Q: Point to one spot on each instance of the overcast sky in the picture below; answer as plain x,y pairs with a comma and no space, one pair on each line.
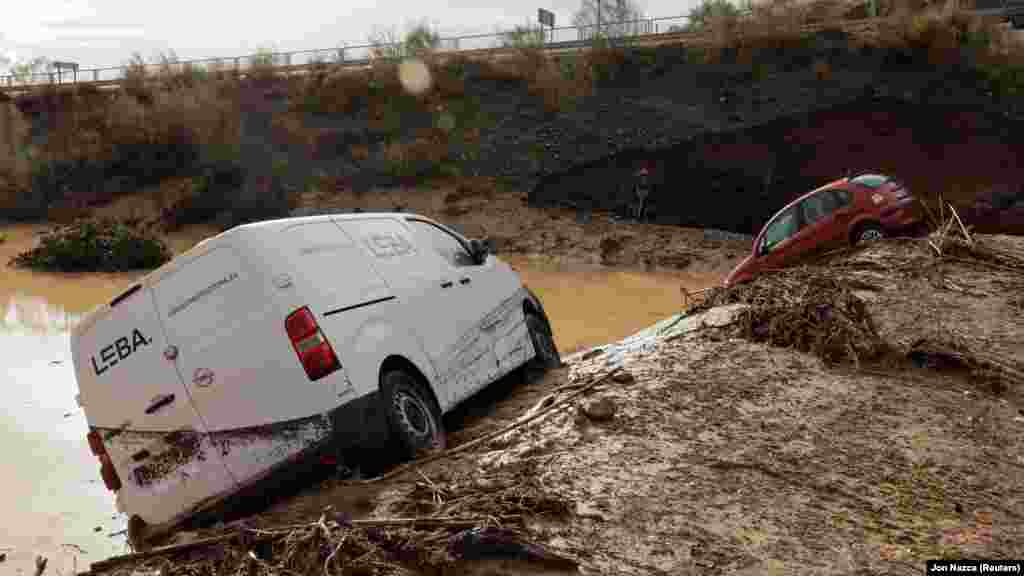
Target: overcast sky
107,32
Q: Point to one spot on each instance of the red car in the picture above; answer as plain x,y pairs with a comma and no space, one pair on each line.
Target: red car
847,211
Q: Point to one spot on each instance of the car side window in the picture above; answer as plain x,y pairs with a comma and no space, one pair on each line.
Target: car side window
817,207
784,226
443,243
842,197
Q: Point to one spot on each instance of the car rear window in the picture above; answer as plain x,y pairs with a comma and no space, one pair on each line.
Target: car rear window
870,180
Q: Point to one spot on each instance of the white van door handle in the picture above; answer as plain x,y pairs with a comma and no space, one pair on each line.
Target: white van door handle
465,281
159,402
446,284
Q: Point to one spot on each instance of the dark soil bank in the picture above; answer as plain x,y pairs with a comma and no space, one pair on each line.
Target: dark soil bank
736,180
729,140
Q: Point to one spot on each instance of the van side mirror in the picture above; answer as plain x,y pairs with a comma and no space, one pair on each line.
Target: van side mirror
480,248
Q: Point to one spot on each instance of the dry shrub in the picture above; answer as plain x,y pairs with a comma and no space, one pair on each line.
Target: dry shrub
471,187
189,115
330,90
289,128
774,25
415,156
604,61
822,70
559,83
449,80
135,81
508,68
14,162
359,152
822,11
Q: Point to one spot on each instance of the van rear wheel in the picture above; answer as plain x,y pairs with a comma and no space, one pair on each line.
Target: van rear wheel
413,415
137,534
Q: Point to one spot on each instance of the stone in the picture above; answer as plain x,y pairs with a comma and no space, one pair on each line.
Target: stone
624,378
598,410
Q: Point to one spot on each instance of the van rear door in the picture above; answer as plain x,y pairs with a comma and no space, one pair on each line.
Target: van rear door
132,396
236,361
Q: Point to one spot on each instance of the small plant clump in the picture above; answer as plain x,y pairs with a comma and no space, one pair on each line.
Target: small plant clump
95,246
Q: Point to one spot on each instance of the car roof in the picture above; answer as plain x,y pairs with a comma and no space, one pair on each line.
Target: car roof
792,203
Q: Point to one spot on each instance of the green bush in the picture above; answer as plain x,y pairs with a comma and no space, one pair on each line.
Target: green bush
95,246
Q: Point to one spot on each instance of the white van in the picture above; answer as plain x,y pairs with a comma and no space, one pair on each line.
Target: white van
273,340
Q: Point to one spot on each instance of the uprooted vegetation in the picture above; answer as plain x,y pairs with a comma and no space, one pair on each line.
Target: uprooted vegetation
95,246
714,447
865,306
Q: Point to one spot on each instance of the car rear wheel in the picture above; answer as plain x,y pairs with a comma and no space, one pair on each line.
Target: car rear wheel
868,233
547,356
413,415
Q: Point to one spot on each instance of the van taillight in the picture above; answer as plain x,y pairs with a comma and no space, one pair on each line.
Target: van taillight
314,351
107,471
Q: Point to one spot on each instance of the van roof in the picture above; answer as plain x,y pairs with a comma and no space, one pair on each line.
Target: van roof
203,246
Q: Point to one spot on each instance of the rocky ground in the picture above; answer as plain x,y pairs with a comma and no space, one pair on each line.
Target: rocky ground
859,415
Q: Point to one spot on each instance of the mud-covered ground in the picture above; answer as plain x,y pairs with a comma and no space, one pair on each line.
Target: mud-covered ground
559,234
712,450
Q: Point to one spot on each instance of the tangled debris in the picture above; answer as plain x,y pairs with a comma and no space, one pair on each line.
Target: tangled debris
807,309
886,302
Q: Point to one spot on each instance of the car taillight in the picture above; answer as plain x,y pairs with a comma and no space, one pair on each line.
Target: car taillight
107,471
314,351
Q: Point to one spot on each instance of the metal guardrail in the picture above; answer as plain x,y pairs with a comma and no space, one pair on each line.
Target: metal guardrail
354,55
638,32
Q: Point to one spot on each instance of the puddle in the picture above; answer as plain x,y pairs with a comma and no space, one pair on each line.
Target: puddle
56,500
591,305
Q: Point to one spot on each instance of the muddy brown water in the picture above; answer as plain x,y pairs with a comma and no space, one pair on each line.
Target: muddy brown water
54,503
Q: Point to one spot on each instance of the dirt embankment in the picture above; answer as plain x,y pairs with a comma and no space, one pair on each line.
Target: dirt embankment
576,124
736,180
719,446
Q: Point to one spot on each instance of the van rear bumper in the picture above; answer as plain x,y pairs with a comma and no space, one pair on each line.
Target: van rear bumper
359,430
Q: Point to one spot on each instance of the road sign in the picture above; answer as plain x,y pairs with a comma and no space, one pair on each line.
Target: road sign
546,18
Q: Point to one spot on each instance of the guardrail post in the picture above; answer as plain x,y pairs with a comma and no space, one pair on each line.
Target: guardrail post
95,75
288,59
341,54
238,63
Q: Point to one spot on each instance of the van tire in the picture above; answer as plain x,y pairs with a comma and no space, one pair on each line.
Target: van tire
137,534
414,417
543,341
